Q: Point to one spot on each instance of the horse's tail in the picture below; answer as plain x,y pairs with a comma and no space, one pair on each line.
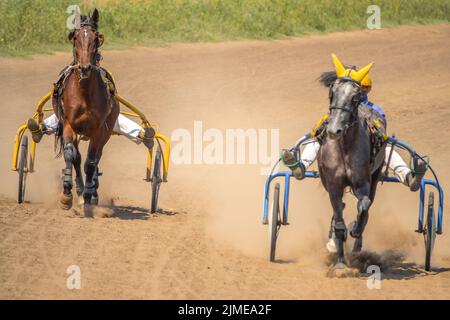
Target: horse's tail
59,140
58,108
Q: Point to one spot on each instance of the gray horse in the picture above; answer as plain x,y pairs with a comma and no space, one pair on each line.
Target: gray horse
345,158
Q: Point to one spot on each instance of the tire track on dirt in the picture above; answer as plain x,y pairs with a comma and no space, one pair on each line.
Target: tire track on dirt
166,260
22,225
24,273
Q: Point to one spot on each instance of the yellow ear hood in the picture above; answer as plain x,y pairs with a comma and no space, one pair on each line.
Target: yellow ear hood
360,74
355,75
338,66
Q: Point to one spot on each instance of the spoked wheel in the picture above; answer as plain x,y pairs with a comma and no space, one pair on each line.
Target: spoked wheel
156,179
274,222
430,231
23,169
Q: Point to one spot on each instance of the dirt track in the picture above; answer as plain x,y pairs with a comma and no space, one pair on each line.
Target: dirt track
210,242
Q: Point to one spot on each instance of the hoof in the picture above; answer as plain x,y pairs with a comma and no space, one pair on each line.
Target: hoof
94,201
88,210
65,201
340,270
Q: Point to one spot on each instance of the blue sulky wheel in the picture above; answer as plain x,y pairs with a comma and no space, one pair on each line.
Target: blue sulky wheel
274,222
156,179
22,169
429,231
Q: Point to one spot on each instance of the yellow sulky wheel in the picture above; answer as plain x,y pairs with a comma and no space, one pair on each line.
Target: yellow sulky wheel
22,169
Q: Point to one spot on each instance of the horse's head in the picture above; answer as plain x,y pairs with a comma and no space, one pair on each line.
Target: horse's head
345,96
86,41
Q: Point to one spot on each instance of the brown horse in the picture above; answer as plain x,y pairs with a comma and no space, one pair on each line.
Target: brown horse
88,111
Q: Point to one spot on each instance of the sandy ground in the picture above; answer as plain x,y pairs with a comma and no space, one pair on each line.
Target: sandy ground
209,242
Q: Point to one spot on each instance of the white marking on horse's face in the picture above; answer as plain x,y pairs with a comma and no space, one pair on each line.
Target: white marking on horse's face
344,93
85,41
348,88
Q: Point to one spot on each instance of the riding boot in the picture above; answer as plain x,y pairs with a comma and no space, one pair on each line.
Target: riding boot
147,136
414,178
298,168
37,131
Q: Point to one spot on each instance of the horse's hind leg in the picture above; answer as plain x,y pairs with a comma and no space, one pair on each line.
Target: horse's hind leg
340,230
95,152
79,176
364,201
92,173
94,199
373,190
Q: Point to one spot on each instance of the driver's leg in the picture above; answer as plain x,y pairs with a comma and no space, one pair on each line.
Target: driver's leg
134,132
403,173
309,154
48,126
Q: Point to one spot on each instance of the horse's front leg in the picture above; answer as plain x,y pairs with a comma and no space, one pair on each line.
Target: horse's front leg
79,177
91,168
339,228
95,151
331,244
363,194
70,151
94,199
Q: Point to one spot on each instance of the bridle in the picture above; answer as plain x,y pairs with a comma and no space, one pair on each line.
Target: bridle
354,103
77,64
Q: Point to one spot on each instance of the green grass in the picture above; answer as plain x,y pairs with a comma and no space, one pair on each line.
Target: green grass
39,26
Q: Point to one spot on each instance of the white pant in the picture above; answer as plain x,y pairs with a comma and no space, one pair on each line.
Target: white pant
123,126
397,165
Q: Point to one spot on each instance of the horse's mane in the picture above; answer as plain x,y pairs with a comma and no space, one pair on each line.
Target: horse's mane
329,77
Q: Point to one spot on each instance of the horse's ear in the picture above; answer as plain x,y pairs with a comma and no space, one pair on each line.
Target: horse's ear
338,66
95,16
71,37
101,39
